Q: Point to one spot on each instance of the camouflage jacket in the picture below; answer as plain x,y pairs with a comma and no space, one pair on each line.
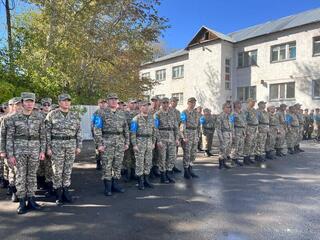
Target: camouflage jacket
208,124
252,117
224,124
166,125
25,133
142,128
274,121
239,120
190,121
58,125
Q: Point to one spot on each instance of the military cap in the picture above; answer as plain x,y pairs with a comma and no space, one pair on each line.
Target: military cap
297,105
112,96
261,102
101,100
54,106
174,99
46,100
270,106
121,102
283,105
250,100
132,100
306,109
10,101
64,96
28,96
14,100
192,99
206,110
144,103
155,98
317,109
227,104
165,99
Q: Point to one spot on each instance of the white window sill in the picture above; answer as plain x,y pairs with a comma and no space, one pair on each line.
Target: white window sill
282,100
285,60
177,78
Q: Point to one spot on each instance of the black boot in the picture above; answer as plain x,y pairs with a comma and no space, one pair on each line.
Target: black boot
225,165
246,160
50,190
176,170
251,160
22,209
170,176
237,162
116,187
295,149
98,166
262,158
126,177
107,187
193,175
163,178
1,182
268,155
5,183
283,154
40,182
66,195
141,183
290,151
9,190
257,158
299,149
133,174
278,152
32,204
220,163
147,182
14,197
59,193
186,173
156,171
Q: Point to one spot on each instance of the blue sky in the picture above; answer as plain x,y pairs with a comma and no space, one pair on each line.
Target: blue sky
187,16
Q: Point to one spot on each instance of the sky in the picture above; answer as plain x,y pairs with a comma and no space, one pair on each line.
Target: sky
187,16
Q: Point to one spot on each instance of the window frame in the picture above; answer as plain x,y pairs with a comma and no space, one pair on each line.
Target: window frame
279,85
161,71
248,89
247,55
178,95
313,87
287,52
143,75
227,83
178,67
315,39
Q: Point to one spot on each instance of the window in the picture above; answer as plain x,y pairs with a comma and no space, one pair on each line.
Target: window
227,76
283,52
178,71
161,75
316,46
179,96
206,36
243,93
145,75
282,91
247,59
316,88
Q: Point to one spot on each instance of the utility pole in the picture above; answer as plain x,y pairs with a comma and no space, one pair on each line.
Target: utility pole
10,43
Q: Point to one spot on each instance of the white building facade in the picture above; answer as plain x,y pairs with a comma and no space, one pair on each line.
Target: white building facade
277,62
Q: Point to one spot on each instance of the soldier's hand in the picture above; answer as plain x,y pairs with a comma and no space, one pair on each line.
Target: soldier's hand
126,147
49,152
12,161
42,156
78,151
2,154
101,149
135,148
177,142
186,140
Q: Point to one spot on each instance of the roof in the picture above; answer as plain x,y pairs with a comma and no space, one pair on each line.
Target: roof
281,24
175,54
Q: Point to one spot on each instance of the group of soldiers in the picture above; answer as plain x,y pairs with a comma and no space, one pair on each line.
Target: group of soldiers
38,148
136,140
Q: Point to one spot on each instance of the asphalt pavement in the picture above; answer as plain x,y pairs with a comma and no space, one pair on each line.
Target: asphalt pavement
279,199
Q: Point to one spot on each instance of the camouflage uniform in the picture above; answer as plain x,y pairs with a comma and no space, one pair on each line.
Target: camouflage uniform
263,130
224,127
317,120
239,135
3,172
301,127
251,132
63,138
25,140
155,152
274,130
208,127
143,135
189,128
293,130
168,132
112,132
281,137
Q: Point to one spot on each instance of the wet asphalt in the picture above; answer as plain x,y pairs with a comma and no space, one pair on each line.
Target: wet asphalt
279,199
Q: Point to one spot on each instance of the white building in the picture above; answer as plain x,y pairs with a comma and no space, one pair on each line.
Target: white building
277,61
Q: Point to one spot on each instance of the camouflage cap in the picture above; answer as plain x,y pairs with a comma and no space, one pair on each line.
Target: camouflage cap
283,105
64,96
112,96
165,99
174,99
261,102
297,105
28,96
206,110
155,98
10,101
46,100
250,100
317,109
306,109
132,100
101,100
192,99
17,100
144,103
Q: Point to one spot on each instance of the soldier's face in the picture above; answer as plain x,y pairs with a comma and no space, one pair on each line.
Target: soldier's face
207,113
46,107
144,109
28,105
132,106
18,107
191,104
165,105
174,104
154,103
113,102
227,109
65,104
102,105
252,103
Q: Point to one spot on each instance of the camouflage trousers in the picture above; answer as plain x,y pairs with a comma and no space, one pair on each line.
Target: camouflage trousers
62,159
45,169
112,157
129,158
300,135
1,168
292,136
238,143
9,173
26,175
190,148
155,157
143,157
271,139
249,141
207,140
167,155
260,147
281,137
225,145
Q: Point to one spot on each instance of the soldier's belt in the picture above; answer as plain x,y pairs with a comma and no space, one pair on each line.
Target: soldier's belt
28,138
295,126
239,126
191,128
253,125
263,123
166,129
226,130
111,133
208,128
62,137
144,135
272,125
